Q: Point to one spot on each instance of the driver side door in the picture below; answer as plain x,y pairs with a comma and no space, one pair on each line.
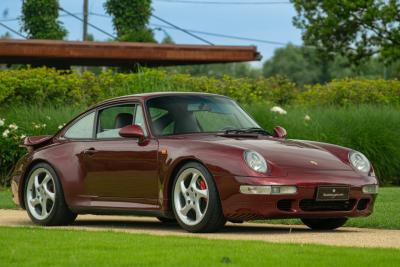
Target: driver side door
120,171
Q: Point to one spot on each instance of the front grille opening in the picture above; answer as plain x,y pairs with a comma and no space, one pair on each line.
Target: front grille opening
313,205
285,204
363,204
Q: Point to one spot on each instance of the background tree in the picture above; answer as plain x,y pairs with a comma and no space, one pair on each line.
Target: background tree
357,29
130,19
303,65
40,20
299,64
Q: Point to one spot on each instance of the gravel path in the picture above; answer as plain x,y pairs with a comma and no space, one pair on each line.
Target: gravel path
355,237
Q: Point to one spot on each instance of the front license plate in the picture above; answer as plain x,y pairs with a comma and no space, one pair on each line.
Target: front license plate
325,193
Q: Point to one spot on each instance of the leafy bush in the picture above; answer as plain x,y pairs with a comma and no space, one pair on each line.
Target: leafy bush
44,86
49,86
20,121
349,92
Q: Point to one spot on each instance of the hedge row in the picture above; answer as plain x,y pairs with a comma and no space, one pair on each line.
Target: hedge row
43,86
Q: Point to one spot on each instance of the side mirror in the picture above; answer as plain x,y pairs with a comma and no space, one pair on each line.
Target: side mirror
280,132
132,131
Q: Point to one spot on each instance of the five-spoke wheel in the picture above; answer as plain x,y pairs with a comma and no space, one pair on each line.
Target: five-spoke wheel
44,197
196,201
40,193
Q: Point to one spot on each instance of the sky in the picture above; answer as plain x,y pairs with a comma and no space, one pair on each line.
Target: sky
271,22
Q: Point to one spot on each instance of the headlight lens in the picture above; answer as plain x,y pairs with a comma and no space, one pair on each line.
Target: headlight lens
359,161
255,161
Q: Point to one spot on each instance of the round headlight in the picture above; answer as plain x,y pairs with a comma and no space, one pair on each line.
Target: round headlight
359,161
255,161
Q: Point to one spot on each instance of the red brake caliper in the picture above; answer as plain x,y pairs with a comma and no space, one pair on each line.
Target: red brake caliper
203,185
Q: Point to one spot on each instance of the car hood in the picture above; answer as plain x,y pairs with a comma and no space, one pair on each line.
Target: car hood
289,153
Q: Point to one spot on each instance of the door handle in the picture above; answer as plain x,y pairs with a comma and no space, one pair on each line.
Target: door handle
89,151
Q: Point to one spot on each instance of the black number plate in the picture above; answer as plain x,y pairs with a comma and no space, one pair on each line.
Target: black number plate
326,193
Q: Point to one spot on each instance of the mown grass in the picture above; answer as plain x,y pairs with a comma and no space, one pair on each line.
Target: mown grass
42,247
6,199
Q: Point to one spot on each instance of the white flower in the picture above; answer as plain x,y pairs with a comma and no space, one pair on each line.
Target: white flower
44,125
307,118
48,117
2,122
278,110
22,136
6,133
36,126
13,126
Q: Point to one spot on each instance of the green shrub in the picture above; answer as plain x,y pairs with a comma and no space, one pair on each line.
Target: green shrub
49,86
19,121
44,86
349,92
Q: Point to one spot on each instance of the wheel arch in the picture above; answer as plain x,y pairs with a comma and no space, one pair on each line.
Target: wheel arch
24,177
171,177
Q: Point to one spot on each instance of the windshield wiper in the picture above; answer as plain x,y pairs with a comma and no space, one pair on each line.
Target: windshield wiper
257,130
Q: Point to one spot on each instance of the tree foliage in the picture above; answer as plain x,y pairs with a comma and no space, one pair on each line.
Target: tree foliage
130,19
357,29
40,20
303,65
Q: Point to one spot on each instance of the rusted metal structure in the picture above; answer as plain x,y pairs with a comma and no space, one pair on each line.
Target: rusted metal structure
69,53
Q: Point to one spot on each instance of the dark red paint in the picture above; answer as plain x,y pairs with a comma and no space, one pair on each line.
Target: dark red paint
127,176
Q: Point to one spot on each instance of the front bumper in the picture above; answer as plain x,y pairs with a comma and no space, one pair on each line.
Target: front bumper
302,204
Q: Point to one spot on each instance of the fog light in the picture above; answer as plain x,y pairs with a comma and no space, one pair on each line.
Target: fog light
370,189
268,190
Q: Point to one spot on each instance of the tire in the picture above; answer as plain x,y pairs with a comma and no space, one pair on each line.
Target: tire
324,224
46,192
166,220
195,200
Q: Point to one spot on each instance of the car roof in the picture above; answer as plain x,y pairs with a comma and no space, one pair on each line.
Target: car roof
145,96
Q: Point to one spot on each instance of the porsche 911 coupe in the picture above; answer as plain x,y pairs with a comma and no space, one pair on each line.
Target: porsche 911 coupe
194,158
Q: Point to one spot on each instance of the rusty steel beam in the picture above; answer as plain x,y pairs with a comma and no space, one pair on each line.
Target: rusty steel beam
68,53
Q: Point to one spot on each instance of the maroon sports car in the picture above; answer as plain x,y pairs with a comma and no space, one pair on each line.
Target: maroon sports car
195,158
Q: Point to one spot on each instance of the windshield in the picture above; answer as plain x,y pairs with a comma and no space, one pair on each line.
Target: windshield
181,114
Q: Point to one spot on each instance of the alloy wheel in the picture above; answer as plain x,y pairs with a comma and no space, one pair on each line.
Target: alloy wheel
41,193
191,196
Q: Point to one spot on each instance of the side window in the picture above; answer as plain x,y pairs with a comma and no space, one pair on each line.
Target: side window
112,119
82,129
139,118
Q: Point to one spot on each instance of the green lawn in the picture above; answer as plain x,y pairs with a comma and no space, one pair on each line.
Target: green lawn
6,199
43,247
